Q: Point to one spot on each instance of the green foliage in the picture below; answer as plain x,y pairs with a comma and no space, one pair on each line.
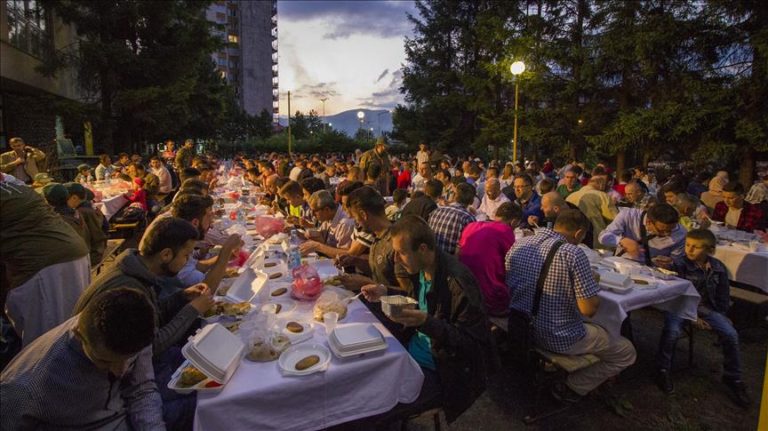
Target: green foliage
682,79
148,65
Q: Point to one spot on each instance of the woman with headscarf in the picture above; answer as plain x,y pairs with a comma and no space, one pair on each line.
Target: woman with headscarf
714,195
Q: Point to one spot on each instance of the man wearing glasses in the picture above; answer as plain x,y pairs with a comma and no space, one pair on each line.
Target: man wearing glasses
651,237
335,234
523,195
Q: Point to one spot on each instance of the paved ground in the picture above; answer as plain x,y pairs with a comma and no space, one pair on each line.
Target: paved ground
701,402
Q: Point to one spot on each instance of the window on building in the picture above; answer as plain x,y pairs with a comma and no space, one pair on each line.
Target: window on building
233,38
28,27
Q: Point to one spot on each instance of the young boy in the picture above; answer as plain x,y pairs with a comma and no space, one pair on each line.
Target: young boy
710,278
399,199
297,212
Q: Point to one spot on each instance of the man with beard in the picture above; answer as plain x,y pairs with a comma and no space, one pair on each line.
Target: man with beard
198,210
163,252
366,206
552,204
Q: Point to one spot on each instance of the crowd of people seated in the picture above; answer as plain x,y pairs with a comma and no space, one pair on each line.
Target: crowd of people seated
466,239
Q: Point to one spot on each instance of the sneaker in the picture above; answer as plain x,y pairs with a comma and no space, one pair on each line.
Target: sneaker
664,381
738,392
564,394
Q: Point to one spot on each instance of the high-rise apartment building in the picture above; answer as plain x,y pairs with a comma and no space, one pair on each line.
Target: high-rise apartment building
249,59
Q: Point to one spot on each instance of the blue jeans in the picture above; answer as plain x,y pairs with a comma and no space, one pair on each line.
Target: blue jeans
720,324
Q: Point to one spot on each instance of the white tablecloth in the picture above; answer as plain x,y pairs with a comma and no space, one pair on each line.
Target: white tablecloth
259,398
745,266
677,296
110,206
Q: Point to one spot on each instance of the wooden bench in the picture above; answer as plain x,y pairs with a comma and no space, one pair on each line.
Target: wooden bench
114,247
748,296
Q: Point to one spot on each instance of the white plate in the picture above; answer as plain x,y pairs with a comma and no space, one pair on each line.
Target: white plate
296,338
294,354
280,285
288,305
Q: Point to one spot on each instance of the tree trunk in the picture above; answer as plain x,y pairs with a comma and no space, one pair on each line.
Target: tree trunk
747,168
621,157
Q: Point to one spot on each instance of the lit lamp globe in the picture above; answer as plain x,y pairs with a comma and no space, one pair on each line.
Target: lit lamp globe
517,68
360,115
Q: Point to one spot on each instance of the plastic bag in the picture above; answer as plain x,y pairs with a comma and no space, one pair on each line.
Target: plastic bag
268,226
306,284
327,302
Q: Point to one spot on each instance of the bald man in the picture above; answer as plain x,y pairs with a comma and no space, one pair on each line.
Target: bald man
552,204
493,197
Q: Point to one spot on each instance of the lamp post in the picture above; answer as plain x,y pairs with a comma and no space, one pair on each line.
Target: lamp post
516,68
323,99
361,117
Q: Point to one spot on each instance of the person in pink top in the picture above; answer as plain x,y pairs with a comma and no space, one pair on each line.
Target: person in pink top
139,196
482,248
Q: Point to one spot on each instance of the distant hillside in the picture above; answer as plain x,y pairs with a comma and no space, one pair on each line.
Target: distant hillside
378,119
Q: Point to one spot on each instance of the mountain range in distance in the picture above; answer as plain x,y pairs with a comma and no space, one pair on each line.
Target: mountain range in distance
380,120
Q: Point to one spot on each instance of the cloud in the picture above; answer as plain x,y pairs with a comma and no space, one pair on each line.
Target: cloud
383,74
319,90
378,18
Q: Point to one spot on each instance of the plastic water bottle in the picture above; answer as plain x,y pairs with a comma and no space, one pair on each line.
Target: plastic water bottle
240,216
294,255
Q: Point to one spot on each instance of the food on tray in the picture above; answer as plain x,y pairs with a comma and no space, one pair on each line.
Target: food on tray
334,281
233,327
270,264
265,351
191,376
229,309
279,291
275,275
307,362
327,307
294,327
639,281
231,272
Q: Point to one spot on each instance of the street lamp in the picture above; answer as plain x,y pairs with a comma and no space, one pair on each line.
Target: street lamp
323,99
361,117
516,68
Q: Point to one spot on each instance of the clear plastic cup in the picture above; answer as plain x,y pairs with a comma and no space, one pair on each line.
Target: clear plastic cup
329,319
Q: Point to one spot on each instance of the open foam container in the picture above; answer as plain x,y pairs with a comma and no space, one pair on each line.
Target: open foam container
214,351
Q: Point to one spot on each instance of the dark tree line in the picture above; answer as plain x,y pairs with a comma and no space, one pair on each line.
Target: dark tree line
630,79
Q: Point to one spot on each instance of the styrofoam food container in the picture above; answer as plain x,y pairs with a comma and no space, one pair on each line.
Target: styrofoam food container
293,354
174,384
246,286
215,351
356,335
391,305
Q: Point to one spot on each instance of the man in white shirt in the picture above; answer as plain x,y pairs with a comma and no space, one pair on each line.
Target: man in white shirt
493,198
334,237
422,156
161,172
296,171
420,180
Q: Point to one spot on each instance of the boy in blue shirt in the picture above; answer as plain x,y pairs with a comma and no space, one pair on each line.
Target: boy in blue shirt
710,278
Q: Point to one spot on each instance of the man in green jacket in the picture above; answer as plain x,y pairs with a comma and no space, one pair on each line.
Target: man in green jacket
448,335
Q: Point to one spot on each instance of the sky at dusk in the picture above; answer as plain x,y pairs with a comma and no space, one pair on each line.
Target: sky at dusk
348,51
